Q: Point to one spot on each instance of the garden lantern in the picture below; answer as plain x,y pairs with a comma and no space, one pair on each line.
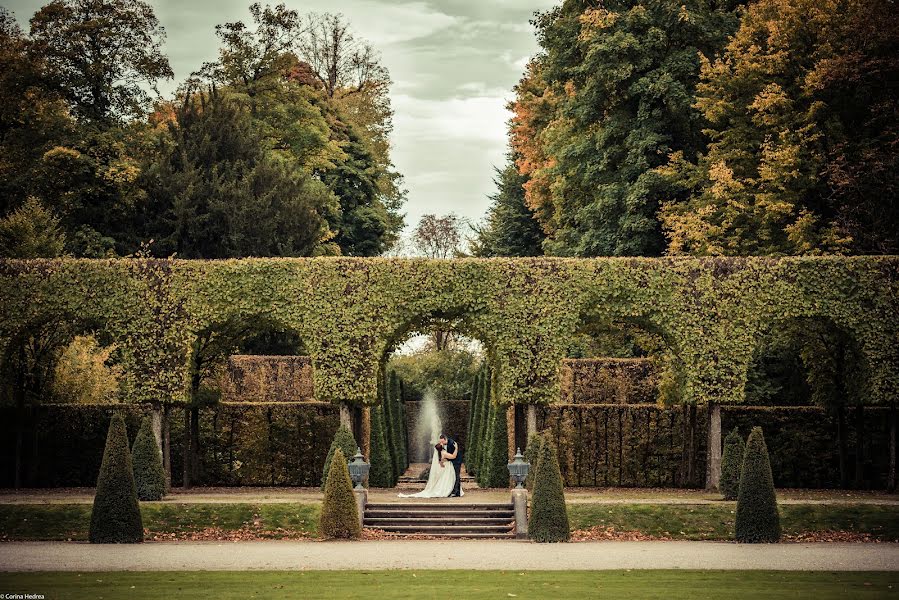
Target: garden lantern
358,469
518,469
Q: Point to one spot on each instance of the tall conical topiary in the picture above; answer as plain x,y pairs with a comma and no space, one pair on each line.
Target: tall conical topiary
344,440
388,421
397,424
381,473
494,470
339,516
731,465
485,432
758,520
149,475
115,517
531,456
471,455
549,516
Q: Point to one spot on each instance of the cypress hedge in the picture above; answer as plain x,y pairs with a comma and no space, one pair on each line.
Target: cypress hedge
531,456
388,423
758,519
471,455
548,521
731,465
115,517
484,420
149,474
494,471
339,516
381,473
344,440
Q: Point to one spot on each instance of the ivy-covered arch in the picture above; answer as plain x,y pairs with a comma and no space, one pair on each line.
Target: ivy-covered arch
347,310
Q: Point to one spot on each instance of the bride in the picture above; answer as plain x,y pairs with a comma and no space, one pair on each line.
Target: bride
441,478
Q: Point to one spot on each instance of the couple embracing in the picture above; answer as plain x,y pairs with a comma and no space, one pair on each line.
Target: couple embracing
443,478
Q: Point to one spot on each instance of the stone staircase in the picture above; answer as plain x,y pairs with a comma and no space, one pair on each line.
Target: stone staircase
442,519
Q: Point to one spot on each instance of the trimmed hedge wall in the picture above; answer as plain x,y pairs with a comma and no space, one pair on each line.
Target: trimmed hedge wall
609,381
254,378
648,446
527,311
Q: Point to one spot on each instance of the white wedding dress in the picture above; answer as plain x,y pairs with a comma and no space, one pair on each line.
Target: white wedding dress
440,481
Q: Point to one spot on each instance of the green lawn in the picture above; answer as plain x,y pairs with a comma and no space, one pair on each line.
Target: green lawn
716,521
677,521
397,585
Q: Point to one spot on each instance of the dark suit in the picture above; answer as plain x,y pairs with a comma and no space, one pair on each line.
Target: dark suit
452,446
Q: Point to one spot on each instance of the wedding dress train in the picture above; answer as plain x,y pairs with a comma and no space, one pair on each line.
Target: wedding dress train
440,481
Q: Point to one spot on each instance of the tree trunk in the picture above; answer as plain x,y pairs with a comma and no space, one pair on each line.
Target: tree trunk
185,453
713,450
167,446
859,447
532,421
891,476
842,447
346,415
156,425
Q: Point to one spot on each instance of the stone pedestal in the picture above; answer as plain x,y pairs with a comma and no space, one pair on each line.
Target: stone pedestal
520,505
361,500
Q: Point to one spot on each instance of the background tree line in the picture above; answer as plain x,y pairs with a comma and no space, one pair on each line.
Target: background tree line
278,148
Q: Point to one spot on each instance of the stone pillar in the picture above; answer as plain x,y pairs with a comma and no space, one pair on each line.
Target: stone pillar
520,504
346,415
713,460
532,421
361,495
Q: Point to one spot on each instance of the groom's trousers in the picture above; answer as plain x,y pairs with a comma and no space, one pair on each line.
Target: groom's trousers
457,466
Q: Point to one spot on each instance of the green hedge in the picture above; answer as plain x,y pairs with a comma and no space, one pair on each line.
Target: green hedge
350,311
731,465
146,458
381,473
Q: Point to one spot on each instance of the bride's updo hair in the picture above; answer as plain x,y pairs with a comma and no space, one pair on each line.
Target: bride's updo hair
438,447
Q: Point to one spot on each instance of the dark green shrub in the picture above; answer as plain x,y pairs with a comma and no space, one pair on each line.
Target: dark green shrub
344,440
548,521
115,517
381,473
149,475
731,465
532,455
339,516
758,519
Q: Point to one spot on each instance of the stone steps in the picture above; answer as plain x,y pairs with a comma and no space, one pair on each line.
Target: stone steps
445,520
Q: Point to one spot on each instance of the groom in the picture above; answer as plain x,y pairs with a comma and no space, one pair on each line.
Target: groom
452,453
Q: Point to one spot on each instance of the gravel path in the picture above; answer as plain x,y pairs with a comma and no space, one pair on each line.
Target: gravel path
430,554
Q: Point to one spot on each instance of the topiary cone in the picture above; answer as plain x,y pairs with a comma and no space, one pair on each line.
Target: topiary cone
381,474
531,456
149,475
758,520
115,517
731,465
549,516
339,517
344,440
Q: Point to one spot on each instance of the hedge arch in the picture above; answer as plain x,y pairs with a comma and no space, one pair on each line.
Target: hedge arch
347,310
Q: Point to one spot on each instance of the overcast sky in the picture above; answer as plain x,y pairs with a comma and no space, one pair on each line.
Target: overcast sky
453,63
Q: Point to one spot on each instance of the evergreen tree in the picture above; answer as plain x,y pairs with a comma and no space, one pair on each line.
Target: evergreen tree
471,455
344,440
758,518
511,228
31,231
484,421
115,517
548,521
339,517
149,474
389,421
494,471
731,465
381,473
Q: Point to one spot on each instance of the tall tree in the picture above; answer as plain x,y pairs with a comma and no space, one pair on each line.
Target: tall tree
218,191
100,53
622,76
804,124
